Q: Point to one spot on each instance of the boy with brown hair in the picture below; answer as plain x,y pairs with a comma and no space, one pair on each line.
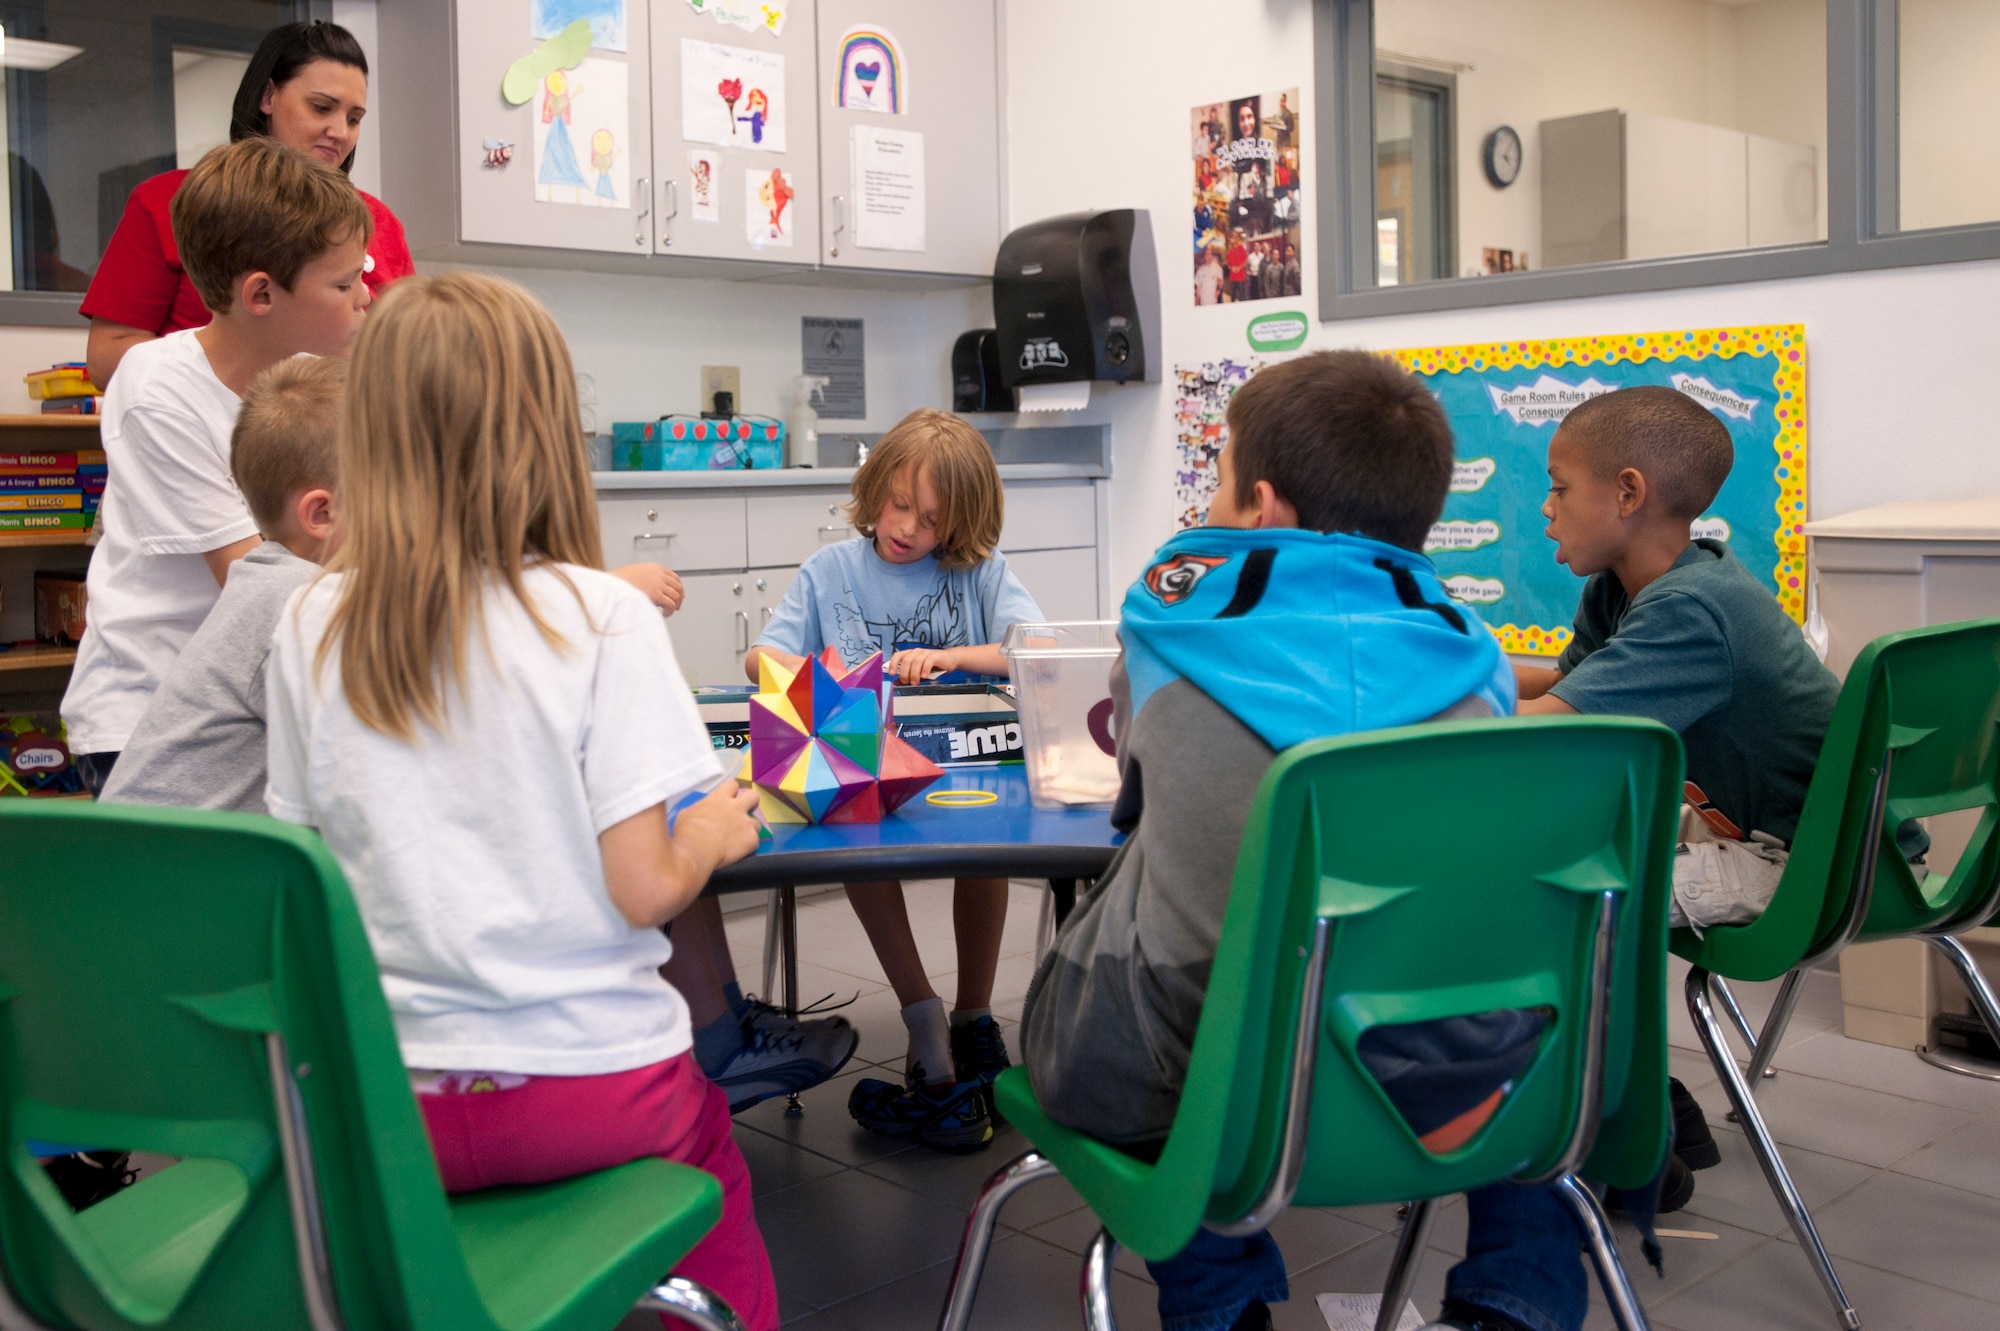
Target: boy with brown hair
1304,609
274,241
1676,629
201,742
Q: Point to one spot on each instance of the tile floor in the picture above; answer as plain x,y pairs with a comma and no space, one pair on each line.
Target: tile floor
1899,1161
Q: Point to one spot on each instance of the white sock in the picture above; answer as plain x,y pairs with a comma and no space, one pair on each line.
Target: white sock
965,1016
930,1040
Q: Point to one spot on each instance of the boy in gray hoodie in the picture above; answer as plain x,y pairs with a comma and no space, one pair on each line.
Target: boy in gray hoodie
1304,609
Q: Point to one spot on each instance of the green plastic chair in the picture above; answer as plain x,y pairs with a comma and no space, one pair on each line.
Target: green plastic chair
199,985
1399,876
1916,732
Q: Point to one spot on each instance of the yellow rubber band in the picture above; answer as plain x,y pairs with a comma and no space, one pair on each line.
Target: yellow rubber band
961,799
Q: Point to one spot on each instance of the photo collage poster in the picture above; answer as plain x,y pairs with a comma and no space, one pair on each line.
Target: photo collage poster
1247,199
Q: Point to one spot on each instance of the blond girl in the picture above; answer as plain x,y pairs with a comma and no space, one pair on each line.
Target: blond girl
925,585
487,730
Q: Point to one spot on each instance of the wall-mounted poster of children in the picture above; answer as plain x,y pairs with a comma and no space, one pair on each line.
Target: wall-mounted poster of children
1247,192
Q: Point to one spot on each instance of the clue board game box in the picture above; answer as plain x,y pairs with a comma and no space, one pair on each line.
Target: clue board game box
953,725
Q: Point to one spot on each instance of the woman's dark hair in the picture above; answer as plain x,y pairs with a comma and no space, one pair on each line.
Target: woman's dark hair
280,56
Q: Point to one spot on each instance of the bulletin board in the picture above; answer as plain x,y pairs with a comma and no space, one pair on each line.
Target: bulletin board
1505,400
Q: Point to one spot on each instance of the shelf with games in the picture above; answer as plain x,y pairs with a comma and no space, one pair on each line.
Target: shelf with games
53,421
65,536
36,656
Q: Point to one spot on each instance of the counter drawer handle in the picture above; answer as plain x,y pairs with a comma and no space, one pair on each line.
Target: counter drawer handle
842,527
639,541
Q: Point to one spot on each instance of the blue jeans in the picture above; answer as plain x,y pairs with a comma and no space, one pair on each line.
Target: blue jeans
1523,1260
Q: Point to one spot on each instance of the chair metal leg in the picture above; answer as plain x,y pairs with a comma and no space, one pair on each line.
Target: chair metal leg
1045,924
1789,992
691,1303
1097,1313
788,935
1725,998
1604,1254
1765,1149
1983,1003
964,1288
772,928
1403,1266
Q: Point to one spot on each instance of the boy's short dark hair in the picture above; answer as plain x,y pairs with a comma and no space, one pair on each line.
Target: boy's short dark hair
1677,444
287,435
258,207
1350,439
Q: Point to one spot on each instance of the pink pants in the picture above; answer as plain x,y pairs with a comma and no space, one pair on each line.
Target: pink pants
557,1127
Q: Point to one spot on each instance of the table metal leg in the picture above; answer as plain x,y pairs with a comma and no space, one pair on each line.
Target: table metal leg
1064,892
772,928
788,917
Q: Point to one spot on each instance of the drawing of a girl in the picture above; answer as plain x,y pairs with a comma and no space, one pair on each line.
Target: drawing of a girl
602,154
558,156
774,194
758,110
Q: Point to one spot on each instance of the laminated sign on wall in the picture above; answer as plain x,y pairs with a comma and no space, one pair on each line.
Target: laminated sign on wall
888,188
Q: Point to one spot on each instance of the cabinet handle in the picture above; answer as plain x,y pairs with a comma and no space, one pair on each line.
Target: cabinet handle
639,541
673,209
824,530
645,193
767,619
839,223
742,631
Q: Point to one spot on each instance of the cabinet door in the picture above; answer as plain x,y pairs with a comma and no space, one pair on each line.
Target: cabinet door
1063,582
768,587
791,528
729,216
948,62
580,178
713,627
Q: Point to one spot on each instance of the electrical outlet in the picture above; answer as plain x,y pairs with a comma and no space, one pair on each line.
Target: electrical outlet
721,378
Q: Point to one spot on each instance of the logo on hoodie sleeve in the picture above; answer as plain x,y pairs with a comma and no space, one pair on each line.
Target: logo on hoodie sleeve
1173,580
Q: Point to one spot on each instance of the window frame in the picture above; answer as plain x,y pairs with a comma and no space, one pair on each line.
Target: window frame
1862,183
59,309
1443,84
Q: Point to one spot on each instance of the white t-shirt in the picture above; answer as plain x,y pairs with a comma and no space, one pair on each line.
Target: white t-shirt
473,853
168,500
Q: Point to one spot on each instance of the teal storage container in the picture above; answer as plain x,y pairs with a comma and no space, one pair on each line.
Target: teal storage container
696,443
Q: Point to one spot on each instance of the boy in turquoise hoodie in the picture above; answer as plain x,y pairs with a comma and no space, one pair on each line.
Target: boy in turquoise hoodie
1304,609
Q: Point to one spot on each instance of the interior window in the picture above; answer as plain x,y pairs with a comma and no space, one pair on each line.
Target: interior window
1948,103
99,95
1550,133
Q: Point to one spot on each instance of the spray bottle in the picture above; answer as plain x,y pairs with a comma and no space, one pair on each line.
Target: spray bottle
802,421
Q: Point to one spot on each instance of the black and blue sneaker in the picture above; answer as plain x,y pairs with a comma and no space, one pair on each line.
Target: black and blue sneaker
979,1053
955,1117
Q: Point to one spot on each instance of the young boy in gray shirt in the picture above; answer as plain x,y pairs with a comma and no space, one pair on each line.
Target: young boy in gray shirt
201,742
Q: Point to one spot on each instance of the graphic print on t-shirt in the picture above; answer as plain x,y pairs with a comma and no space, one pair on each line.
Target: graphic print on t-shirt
939,620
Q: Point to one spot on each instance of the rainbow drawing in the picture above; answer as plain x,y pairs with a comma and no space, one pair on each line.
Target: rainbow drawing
871,74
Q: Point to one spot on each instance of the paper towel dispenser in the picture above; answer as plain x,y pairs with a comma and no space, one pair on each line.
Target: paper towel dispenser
1077,297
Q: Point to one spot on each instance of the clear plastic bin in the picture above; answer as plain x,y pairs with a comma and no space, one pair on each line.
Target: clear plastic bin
1062,680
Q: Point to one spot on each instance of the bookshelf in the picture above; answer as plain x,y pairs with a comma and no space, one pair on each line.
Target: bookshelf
22,433
40,656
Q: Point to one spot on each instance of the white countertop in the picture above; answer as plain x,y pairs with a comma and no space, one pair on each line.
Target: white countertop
809,477
1917,520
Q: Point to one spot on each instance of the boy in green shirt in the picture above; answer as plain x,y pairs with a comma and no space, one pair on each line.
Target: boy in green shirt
1677,630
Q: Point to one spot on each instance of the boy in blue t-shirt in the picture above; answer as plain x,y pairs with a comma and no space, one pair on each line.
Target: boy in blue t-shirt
925,585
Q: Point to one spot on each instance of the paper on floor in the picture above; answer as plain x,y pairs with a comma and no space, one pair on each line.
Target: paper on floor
1356,1312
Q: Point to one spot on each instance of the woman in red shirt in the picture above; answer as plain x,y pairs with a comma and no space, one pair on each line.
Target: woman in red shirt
306,87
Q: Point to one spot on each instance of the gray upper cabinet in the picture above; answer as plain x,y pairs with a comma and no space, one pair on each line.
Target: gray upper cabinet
604,155
717,218
950,67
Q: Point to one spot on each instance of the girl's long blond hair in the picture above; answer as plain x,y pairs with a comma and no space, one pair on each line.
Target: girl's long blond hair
461,463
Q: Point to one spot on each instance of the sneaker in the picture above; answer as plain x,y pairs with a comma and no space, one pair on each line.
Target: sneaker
956,1118
1693,1142
767,1017
88,1177
1676,1189
979,1053
783,1057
